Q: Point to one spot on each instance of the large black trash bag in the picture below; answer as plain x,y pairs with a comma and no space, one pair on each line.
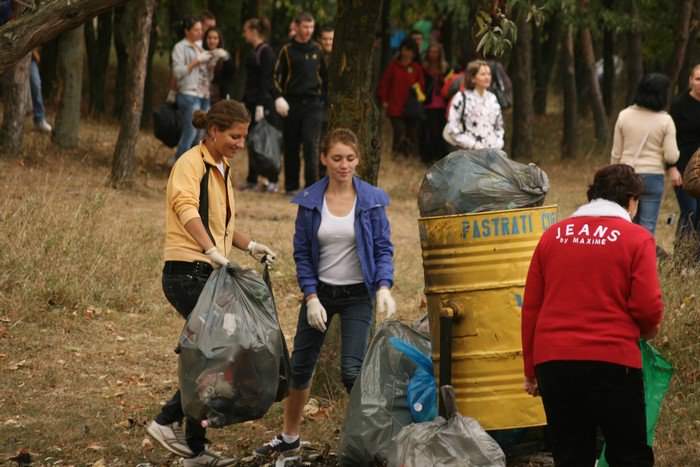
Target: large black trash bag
478,181
378,406
265,148
167,124
233,359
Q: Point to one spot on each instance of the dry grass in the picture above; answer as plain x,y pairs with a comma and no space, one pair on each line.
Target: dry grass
86,336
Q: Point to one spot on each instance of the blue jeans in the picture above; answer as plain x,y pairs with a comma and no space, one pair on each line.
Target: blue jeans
688,221
650,201
190,136
35,87
354,306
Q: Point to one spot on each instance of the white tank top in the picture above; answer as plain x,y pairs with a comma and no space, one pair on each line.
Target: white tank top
338,261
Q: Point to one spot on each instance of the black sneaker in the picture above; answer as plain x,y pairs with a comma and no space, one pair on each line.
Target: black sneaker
277,446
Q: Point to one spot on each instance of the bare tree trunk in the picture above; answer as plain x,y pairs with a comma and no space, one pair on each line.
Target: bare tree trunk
569,143
70,68
49,19
122,17
608,65
635,60
147,113
14,111
550,35
350,88
123,162
98,44
521,146
681,44
691,58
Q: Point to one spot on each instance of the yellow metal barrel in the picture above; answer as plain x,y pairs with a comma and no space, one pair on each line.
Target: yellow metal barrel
475,268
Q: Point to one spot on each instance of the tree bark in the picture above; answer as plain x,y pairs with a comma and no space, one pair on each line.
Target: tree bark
98,44
122,17
691,58
681,44
147,113
548,52
521,146
635,60
14,111
608,65
49,19
569,143
123,161
351,103
70,68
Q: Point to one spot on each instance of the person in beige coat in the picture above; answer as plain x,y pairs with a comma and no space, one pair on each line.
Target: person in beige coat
645,138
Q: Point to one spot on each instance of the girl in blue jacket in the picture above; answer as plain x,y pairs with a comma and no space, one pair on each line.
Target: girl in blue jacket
343,254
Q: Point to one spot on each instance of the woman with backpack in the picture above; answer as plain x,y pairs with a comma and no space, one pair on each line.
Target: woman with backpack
475,120
259,67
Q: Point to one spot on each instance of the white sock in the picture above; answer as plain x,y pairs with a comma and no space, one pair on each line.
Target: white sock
289,439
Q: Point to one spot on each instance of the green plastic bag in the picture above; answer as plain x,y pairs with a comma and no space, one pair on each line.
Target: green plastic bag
657,372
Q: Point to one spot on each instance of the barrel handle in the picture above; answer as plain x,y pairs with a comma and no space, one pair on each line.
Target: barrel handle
452,310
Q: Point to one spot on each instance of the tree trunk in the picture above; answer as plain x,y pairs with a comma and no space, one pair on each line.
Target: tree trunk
596,98
147,114
681,44
569,143
635,59
386,37
14,111
70,69
47,69
121,17
49,19
351,102
98,44
608,65
123,162
690,55
447,36
548,51
521,146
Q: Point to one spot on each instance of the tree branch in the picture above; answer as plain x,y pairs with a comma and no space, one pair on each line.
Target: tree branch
50,18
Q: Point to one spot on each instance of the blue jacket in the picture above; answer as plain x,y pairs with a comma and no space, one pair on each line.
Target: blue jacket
371,229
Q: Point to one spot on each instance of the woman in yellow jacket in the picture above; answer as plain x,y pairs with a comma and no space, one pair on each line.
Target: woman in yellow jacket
200,235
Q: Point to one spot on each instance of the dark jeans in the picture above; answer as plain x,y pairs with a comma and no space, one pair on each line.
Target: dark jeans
354,306
688,222
406,135
650,201
182,284
579,396
274,119
301,127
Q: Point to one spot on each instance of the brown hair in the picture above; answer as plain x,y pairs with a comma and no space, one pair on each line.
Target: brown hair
262,25
473,68
340,135
223,115
441,62
205,15
303,16
206,34
617,183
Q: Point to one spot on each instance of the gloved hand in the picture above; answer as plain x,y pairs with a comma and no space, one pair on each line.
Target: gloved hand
172,97
385,302
419,94
216,258
220,53
316,314
259,113
204,57
261,253
282,106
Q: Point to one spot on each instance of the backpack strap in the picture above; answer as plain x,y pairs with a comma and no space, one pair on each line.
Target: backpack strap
644,140
258,53
464,108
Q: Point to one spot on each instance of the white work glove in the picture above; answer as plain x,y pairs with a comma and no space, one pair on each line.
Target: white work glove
221,54
385,302
216,258
261,253
316,314
172,96
259,113
204,57
282,106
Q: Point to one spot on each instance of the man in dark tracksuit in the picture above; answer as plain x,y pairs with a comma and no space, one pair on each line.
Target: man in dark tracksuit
300,72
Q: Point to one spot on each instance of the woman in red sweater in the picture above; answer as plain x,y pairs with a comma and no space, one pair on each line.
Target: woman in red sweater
592,291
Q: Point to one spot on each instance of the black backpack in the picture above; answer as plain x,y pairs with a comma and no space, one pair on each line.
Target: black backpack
167,124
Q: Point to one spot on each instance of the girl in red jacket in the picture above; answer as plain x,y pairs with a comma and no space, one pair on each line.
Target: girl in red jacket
401,78
592,291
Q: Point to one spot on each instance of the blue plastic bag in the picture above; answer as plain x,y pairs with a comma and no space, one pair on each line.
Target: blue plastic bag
422,392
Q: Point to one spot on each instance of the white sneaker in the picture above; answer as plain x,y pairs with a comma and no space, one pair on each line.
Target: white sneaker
171,437
43,126
208,458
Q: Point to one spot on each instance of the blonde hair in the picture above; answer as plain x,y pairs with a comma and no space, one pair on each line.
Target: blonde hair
343,136
472,69
223,115
441,63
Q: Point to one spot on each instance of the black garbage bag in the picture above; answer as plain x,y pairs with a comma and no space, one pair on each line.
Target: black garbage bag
478,181
233,359
167,124
265,148
378,406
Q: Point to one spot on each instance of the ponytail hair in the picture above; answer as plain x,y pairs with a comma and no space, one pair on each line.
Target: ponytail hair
261,25
222,115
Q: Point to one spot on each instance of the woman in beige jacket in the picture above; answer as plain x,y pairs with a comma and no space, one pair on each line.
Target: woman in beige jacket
645,138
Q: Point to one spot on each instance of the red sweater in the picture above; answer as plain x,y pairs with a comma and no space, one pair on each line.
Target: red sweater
395,85
591,290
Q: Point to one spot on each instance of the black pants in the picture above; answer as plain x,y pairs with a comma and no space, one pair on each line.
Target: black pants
182,284
580,396
407,132
301,127
274,119
432,143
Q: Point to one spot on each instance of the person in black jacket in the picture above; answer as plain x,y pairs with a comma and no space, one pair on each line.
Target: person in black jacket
300,72
258,91
221,64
